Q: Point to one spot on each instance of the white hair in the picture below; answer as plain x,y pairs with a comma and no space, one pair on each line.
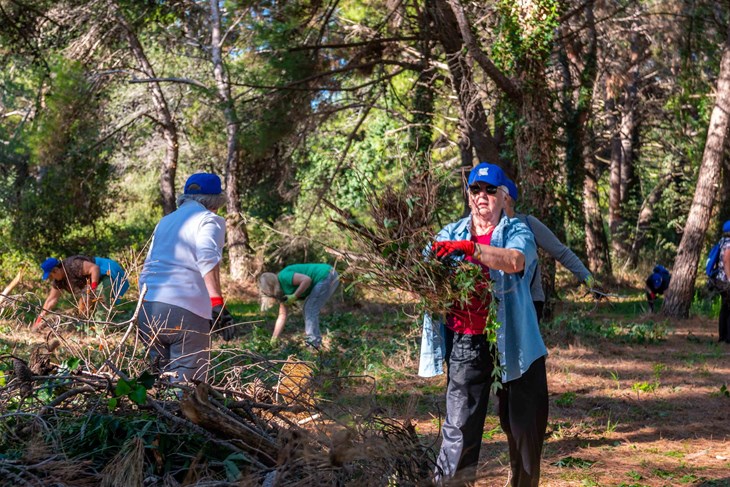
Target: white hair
210,201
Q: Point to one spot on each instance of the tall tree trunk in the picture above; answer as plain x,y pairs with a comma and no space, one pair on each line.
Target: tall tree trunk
420,134
614,178
681,288
474,127
723,204
236,233
165,120
599,261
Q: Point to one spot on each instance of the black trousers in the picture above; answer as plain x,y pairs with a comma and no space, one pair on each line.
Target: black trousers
539,308
523,415
523,411
724,322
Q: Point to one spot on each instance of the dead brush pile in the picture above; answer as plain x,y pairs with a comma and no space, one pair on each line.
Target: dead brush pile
73,414
393,251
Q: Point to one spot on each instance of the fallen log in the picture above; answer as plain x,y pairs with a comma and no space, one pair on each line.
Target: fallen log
198,409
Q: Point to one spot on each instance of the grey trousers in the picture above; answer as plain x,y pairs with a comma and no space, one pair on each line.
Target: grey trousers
317,298
178,340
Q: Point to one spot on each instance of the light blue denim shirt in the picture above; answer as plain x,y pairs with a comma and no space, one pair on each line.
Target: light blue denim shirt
518,338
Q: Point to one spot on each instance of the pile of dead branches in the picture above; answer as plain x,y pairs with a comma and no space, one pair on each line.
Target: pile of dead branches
104,418
392,250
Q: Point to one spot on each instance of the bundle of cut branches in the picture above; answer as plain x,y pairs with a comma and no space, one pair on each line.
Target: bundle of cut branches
393,252
257,423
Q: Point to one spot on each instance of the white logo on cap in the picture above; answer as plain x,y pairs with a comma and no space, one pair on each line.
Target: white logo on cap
484,171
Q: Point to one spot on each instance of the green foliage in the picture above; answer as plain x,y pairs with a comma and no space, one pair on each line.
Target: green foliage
525,32
57,208
573,462
135,389
566,399
574,325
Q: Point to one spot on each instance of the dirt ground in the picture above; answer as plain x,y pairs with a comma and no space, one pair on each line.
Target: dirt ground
622,413
625,414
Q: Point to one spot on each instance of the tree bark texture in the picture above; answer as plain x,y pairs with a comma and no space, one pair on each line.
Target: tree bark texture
475,130
599,262
165,120
236,233
624,118
681,287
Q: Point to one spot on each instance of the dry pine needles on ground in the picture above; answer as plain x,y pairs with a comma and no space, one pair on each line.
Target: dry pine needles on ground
104,419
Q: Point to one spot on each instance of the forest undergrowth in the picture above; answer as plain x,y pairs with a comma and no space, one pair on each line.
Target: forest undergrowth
635,400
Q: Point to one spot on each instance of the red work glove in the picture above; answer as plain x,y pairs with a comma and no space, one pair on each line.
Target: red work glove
448,247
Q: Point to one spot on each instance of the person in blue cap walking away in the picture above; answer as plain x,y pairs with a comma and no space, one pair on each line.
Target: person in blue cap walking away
656,284
89,279
184,301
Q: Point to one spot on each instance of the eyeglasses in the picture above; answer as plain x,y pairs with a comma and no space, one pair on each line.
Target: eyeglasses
475,189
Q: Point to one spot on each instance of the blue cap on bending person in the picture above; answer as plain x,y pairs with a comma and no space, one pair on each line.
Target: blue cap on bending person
48,265
726,227
656,281
203,183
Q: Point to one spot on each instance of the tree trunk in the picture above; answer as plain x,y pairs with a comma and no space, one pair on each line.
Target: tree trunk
236,233
474,127
166,122
723,204
599,262
420,134
614,180
681,287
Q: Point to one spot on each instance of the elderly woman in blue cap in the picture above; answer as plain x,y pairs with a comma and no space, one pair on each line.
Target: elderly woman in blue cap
182,276
92,278
505,251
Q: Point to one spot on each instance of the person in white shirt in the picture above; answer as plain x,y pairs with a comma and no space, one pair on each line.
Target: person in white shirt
182,275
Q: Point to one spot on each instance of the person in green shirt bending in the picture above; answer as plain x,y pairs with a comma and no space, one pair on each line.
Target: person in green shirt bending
313,283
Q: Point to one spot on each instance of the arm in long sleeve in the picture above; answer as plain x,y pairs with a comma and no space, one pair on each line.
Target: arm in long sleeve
547,240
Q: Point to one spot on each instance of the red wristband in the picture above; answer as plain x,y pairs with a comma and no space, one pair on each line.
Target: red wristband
218,301
94,286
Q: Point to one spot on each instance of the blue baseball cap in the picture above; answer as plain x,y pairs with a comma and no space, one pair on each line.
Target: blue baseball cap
511,189
485,172
48,265
726,227
656,280
203,183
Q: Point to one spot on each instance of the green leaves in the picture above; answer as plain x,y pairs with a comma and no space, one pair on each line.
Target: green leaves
573,462
134,389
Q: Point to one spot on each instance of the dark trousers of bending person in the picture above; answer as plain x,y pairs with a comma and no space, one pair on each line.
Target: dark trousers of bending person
523,412
724,321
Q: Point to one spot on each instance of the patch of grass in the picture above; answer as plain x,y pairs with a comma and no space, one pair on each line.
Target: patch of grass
634,475
689,479
703,305
574,462
663,474
566,399
638,387
488,435
570,326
